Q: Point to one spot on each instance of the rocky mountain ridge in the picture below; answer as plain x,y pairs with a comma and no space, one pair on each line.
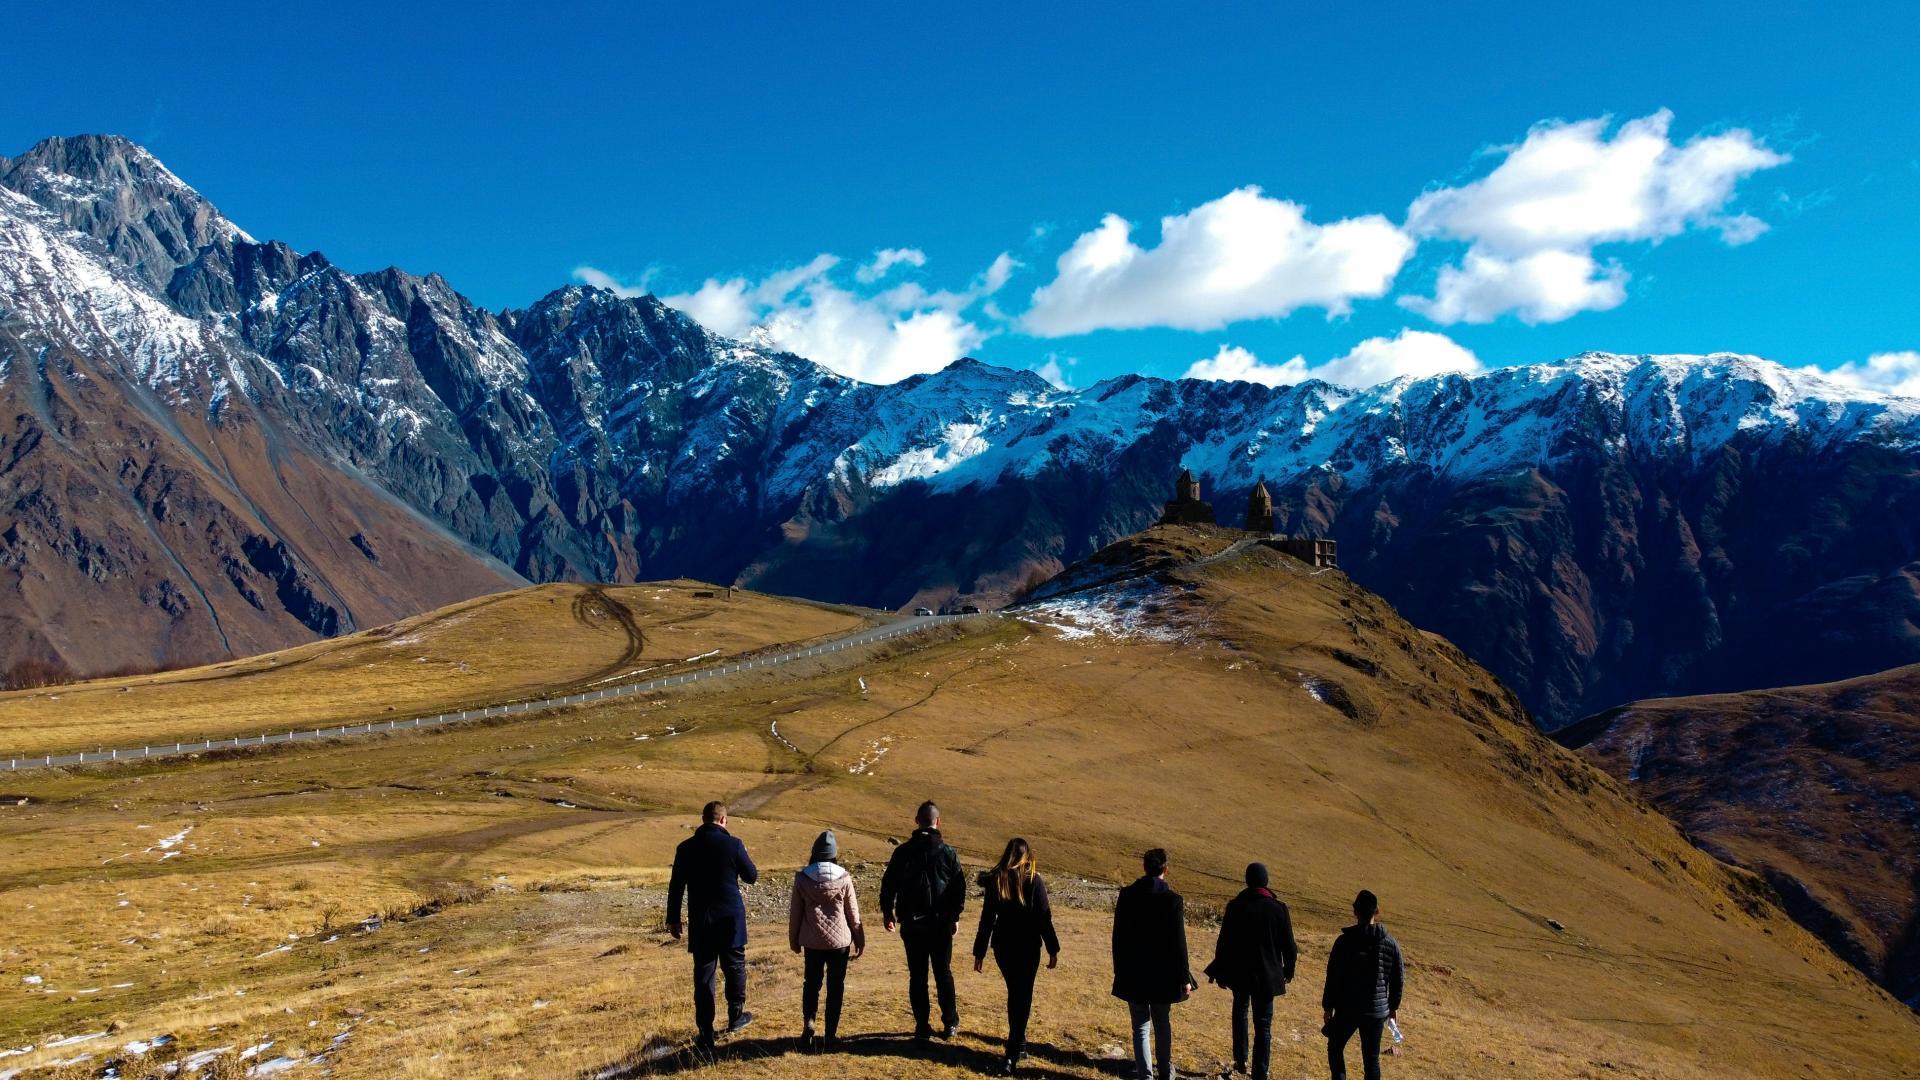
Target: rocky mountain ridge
1594,530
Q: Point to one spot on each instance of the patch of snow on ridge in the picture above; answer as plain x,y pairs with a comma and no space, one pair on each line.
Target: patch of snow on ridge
1130,612
959,442
62,281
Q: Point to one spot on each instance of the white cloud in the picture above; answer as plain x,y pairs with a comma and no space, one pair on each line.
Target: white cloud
882,338
1545,286
1534,220
1896,373
886,259
1235,364
1054,370
996,275
720,306
1416,353
600,279
1241,256
728,308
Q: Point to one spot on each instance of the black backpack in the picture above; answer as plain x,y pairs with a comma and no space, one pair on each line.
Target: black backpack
925,884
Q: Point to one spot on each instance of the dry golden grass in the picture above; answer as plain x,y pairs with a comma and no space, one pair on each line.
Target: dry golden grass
545,956
530,643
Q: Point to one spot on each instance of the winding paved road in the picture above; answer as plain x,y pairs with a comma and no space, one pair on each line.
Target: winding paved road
854,640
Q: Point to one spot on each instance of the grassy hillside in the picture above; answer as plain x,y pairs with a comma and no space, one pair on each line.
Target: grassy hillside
529,643
1815,787
1247,708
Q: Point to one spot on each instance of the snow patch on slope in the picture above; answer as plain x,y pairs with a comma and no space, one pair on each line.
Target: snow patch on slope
959,442
1130,611
67,286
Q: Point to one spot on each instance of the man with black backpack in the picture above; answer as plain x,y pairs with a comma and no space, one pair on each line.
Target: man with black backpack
1364,976
923,894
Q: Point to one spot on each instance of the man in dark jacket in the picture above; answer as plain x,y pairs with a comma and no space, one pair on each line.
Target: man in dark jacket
708,868
1150,970
1364,974
922,894
1254,958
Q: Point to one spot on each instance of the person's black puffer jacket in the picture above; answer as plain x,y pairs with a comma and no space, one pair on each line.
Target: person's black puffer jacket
1364,973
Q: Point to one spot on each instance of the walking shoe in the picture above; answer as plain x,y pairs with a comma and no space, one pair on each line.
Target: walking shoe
950,1031
739,1022
921,1035
807,1037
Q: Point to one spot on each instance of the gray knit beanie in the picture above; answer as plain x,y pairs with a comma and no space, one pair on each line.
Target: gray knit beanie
825,848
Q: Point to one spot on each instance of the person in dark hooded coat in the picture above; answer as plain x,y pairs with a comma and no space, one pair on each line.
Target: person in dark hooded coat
1254,957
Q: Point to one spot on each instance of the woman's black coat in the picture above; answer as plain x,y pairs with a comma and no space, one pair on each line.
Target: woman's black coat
1016,930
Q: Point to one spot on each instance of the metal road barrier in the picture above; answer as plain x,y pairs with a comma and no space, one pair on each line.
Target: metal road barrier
198,746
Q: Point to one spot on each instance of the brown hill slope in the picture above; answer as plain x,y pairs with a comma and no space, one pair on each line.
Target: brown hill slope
135,536
159,504
1815,787
1231,710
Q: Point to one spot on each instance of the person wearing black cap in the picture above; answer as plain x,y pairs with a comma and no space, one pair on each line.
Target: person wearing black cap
1254,957
1364,975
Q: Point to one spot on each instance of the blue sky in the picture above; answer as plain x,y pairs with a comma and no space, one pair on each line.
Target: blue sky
1747,176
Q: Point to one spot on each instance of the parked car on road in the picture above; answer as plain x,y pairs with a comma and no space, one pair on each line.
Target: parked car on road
923,611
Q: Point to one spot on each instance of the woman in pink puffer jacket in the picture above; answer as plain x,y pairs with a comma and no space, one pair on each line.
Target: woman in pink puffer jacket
823,920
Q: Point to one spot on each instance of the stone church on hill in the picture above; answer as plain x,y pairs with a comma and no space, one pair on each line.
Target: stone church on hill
1260,509
1187,508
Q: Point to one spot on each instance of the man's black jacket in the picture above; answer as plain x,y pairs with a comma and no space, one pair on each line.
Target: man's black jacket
923,888
708,867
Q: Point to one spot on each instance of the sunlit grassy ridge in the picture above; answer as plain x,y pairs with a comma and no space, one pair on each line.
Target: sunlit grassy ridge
1285,717
510,646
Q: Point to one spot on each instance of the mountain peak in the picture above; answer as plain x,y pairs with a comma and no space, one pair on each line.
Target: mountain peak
116,191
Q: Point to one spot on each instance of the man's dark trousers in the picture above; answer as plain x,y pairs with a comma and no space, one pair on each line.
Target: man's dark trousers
1260,1006
1341,1030
731,961
930,947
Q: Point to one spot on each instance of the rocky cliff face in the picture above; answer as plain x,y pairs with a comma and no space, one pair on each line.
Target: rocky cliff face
1594,530
157,503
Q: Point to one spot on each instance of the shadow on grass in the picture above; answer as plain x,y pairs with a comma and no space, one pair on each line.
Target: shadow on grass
1044,1061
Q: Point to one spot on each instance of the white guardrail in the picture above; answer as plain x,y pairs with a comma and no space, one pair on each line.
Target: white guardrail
196,746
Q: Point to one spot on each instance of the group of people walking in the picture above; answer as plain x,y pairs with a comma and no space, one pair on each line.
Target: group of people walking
923,895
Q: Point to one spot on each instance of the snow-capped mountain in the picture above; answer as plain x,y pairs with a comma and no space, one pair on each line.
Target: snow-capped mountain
1595,530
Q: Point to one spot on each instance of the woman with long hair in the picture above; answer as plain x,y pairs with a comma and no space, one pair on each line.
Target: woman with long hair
1016,921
